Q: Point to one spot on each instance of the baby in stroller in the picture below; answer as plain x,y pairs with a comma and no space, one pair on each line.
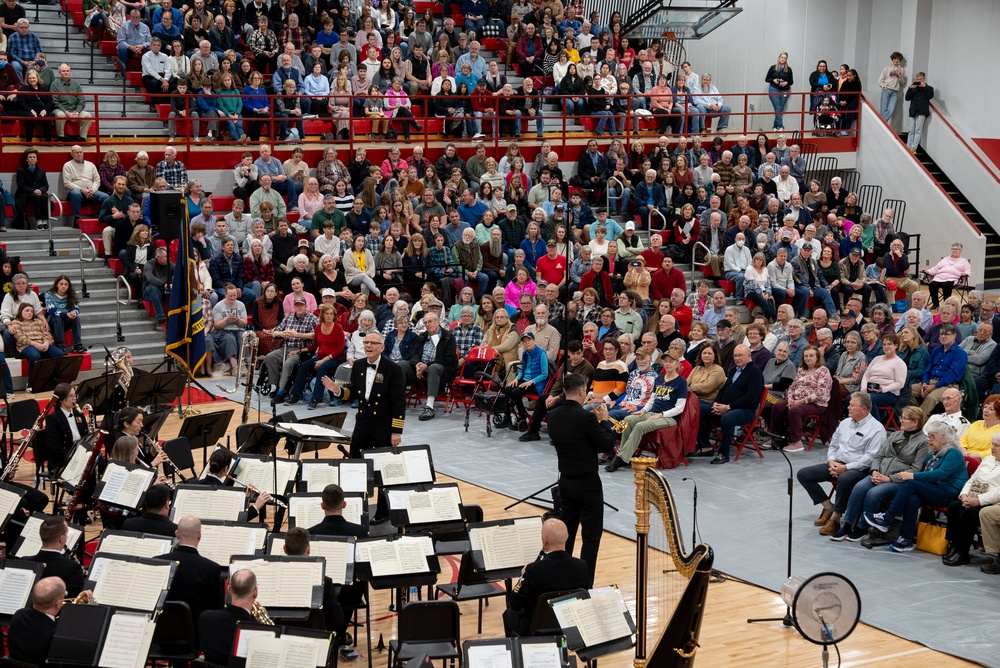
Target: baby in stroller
826,119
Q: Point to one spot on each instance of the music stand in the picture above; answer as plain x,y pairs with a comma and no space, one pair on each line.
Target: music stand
261,439
202,429
153,422
48,372
98,392
155,389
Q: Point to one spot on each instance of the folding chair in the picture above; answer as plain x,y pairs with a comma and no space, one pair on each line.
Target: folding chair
431,628
471,586
179,452
174,637
748,430
465,385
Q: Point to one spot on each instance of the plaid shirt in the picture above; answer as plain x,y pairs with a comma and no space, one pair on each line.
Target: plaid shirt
328,173
372,243
175,174
259,42
23,48
513,232
296,36
255,271
304,325
467,339
437,259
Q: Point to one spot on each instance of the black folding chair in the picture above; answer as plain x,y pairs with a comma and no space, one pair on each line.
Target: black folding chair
174,638
431,628
179,452
471,586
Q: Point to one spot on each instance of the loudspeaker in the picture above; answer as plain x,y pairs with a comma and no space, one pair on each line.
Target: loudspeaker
165,214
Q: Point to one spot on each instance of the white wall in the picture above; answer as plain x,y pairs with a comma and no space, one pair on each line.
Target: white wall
884,161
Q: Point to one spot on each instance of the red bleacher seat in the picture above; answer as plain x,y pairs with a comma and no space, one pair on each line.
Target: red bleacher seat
90,225
116,266
223,203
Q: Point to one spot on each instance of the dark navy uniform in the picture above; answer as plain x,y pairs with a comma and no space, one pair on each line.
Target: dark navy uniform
579,438
381,413
555,571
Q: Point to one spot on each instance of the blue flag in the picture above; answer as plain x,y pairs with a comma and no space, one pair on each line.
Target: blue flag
186,319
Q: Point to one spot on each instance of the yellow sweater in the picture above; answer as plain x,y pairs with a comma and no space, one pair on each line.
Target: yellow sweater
977,438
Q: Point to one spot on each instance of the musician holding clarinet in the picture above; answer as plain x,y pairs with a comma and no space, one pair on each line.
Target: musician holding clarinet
219,466
65,426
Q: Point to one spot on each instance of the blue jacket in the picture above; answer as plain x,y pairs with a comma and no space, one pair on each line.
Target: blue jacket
476,8
472,214
642,195
948,367
225,271
533,251
405,346
207,105
534,367
947,471
253,98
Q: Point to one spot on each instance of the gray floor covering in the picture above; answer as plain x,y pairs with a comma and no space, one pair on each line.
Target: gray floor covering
743,514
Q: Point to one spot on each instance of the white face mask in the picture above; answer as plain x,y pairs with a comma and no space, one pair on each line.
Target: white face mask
739,244
761,244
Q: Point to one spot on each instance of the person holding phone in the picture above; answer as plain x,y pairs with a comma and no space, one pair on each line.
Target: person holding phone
919,95
885,376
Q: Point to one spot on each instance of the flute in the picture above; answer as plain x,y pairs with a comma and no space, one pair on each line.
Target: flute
156,448
253,488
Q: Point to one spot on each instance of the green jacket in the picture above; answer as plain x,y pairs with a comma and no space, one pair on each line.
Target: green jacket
68,98
229,105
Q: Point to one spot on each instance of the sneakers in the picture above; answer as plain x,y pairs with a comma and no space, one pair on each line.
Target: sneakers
478,135
878,521
902,545
795,447
210,136
842,533
529,436
170,139
426,414
347,653
857,534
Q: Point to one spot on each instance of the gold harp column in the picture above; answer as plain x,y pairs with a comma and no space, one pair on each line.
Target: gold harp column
639,466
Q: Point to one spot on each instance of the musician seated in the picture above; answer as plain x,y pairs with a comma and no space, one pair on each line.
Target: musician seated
217,628
197,580
155,518
64,427
129,423
29,635
556,570
297,545
333,523
53,533
219,465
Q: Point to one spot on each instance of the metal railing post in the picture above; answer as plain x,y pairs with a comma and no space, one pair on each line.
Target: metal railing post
119,282
66,14
83,275
48,223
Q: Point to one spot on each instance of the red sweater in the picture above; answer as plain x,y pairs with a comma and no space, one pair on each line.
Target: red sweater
331,344
663,283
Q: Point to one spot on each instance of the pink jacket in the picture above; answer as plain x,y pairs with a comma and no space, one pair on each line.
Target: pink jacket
950,269
812,387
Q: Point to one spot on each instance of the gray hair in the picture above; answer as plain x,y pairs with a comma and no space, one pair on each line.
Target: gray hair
141,154
367,314
20,276
945,431
296,258
824,332
400,317
432,316
853,336
865,400
401,307
468,310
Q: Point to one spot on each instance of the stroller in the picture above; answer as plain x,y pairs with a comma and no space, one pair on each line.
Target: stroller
826,120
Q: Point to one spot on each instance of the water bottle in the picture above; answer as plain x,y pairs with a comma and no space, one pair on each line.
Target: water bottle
412,595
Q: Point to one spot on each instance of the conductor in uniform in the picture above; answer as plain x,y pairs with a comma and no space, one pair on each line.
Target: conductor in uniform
378,385
579,436
555,570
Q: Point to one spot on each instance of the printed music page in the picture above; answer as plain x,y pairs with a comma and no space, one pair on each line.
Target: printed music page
134,486
338,555
220,503
445,504
489,656
354,478
318,476
499,545
268,579
413,555
393,469
130,585
609,609
589,623
418,465
74,468
352,511
256,538
31,542
419,508
263,652
127,642
220,543
306,510
538,655
297,582
244,636
383,558
114,482
8,502
310,430
305,652
149,547
15,585
529,535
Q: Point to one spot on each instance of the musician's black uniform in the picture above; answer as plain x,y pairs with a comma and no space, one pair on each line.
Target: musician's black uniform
555,571
29,636
381,413
350,596
197,581
336,525
59,565
579,438
154,523
59,435
217,630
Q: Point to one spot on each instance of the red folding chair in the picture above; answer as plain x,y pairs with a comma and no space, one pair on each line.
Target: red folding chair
465,385
748,430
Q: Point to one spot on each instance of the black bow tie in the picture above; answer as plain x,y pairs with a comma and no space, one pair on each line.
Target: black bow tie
372,366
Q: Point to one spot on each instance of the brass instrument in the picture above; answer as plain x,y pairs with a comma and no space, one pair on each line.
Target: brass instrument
155,447
247,360
256,490
618,425
259,613
677,641
83,598
120,363
10,470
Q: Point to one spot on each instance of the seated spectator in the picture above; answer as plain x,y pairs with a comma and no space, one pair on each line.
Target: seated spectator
903,451
63,313
897,268
945,369
978,437
966,516
946,273
32,190
134,37
37,109
82,182
707,377
809,394
735,405
229,322
33,340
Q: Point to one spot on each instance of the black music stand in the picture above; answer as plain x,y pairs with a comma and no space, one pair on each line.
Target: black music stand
99,392
200,430
155,389
261,439
153,422
48,372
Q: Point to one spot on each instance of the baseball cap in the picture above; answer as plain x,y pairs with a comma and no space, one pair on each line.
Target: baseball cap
848,313
512,207
786,234
855,251
723,324
328,292
673,354
630,225
528,335
550,242
299,300
303,242
436,302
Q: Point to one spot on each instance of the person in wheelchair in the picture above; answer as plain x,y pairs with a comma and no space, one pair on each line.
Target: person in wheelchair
826,118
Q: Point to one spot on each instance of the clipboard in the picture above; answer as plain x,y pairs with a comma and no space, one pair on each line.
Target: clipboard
304,485
316,601
92,583
316,497
574,638
276,541
399,516
33,524
374,453
23,567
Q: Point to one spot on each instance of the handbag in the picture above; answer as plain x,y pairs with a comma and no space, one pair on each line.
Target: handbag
930,538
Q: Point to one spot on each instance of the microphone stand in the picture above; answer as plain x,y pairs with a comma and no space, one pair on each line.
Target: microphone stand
787,619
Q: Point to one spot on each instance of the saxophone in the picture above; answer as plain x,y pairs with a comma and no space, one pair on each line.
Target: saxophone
259,613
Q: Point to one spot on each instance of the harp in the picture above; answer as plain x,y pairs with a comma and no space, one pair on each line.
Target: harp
667,638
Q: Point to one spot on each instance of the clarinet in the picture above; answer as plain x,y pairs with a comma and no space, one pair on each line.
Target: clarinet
157,449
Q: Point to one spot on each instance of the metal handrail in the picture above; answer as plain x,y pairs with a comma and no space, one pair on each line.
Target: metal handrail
119,282
48,223
659,213
607,192
83,277
708,252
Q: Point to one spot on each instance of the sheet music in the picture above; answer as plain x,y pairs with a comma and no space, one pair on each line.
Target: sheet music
219,542
285,652
123,487
489,656
306,429
306,510
15,585
538,655
264,652
260,474
435,505
598,619
31,542
318,476
219,503
396,557
418,465
8,503
338,554
529,535
244,636
282,584
130,585
127,641
393,469
148,546
354,509
354,477
74,468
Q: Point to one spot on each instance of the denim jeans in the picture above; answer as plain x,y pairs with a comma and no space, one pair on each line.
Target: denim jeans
887,103
728,424
912,494
779,99
155,296
722,113
33,354
307,369
810,478
764,303
576,108
737,277
618,201
235,129
76,198
284,123
868,497
916,129
58,326
606,117
539,123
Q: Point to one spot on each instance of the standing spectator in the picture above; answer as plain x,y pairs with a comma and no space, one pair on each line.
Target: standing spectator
779,81
82,182
32,190
157,273
890,81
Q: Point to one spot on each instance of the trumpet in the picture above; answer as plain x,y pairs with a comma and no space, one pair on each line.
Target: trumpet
83,598
256,490
150,443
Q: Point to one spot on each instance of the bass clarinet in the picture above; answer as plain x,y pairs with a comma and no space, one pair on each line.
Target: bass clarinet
70,511
10,470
